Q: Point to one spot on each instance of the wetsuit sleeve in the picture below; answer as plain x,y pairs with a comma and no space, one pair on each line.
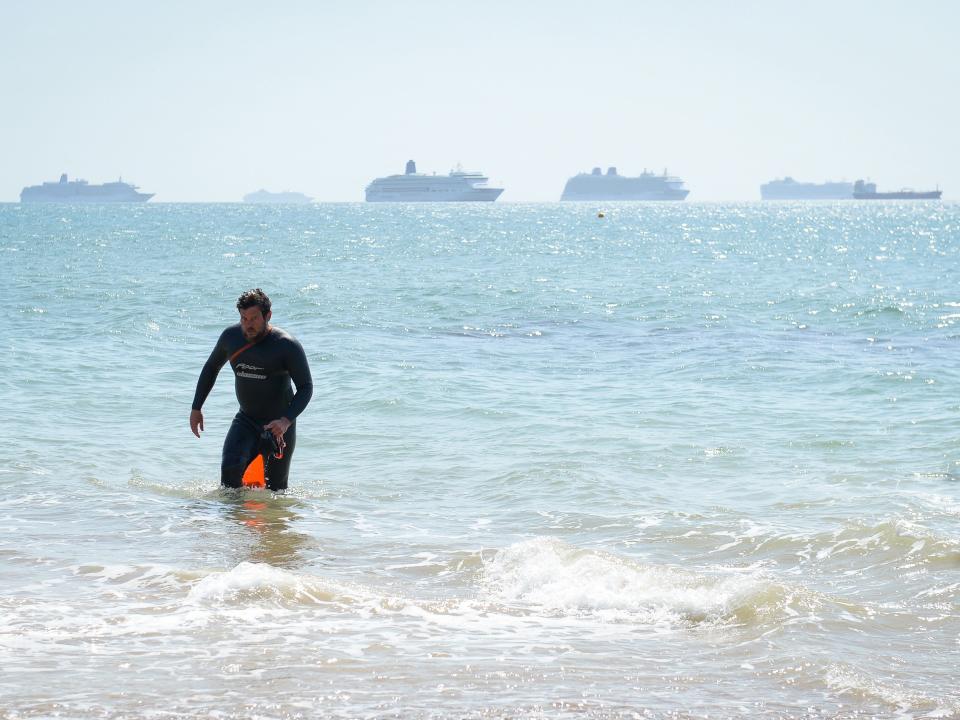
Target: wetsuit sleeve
208,376
300,374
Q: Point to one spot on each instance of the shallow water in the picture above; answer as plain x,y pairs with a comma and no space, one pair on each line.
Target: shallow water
686,460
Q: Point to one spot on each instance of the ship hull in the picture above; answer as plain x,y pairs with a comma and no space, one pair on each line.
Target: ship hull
285,198
812,193
140,198
594,196
401,195
901,195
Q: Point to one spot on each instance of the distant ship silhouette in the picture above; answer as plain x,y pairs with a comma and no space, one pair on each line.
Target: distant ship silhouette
868,191
647,186
285,197
78,191
459,186
790,189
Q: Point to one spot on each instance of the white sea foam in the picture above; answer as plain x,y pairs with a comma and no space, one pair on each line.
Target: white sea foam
557,578
257,583
845,679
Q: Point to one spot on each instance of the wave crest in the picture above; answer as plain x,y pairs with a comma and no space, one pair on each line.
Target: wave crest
558,579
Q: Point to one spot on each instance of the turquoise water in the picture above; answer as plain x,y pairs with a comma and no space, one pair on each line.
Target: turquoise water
684,460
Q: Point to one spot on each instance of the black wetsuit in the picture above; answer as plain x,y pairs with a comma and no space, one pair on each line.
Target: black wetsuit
262,375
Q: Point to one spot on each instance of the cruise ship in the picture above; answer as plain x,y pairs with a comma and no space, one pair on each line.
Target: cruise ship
458,186
265,197
648,186
790,189
80,191
868,191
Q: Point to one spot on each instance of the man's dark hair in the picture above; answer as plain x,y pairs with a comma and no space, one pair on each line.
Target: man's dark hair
254,297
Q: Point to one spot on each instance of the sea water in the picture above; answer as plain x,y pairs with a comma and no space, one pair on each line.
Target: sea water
681,460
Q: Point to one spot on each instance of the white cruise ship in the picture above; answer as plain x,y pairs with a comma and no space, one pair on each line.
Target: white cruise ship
77,191
597,186
458,186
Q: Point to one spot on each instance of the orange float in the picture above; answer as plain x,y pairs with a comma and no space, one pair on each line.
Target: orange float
253,476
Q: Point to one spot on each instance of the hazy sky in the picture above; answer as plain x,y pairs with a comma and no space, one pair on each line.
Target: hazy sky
210,100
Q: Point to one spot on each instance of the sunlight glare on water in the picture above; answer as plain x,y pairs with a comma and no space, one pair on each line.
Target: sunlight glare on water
683,460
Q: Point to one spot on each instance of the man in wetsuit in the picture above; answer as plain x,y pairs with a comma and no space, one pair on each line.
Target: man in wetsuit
264,359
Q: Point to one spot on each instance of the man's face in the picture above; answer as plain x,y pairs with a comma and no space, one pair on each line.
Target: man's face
253,322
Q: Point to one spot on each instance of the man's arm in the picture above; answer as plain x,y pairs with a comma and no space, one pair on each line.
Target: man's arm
208,376
299,370
300,374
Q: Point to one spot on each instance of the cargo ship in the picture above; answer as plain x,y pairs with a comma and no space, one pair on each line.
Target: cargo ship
868,191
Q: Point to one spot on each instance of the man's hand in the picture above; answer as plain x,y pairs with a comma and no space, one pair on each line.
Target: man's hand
196,422
278,427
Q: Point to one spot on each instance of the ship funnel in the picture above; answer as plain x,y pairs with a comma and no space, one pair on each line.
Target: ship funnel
63,178
611,171
596,171
411,167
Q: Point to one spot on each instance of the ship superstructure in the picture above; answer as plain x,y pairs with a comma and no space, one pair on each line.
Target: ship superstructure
458,186
80,191
612,187
790,189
